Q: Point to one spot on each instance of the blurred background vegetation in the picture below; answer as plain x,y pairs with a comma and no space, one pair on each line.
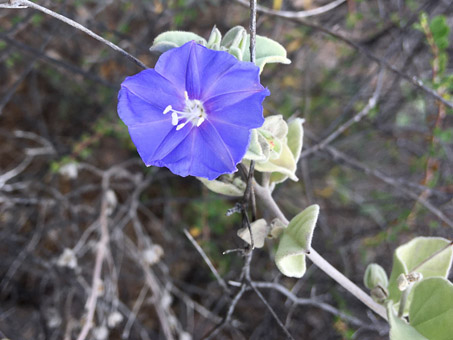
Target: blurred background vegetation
382,181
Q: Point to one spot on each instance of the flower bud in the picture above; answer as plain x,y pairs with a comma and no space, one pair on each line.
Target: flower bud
375,276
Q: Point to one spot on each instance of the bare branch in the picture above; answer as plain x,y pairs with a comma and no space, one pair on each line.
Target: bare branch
26,3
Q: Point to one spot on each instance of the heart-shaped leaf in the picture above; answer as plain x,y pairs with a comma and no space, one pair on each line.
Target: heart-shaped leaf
431,309
171,39
260,230
229,186
267,51
400,329
417,255
296,242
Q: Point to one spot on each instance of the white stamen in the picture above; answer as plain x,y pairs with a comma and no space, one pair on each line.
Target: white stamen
200,120
180,126
174,118
167,109
193,112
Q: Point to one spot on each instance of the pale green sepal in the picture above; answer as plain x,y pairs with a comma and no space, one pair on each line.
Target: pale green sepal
234,187
296,242
431,310
258,149
409,256
267,51
400,329
260,230
285,164
295,137
171,39
214,39
236,52
276,126
234,37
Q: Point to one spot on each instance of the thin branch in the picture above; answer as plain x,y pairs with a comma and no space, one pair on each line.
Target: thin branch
336,154
418,83
268,201
306,302
299,14
226,320
26,3
100,256
208,262
271,310
372,102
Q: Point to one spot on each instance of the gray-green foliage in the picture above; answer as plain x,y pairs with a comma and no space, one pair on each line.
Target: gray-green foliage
236,42
295,242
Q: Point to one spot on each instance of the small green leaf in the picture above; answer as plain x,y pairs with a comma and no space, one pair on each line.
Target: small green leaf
229,186
171,39
400,329
260,231
440,30
296,242
267,51
431,310
214,39
412,256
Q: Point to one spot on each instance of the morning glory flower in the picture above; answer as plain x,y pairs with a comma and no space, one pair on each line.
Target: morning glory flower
194,111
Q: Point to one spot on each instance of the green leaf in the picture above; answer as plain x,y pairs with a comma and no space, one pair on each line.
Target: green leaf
440,31
260,230
431,310
214,39
410,255
296,242
267,51
400,329
171,39
230,186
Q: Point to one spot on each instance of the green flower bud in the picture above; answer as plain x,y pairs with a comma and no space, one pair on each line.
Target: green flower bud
375,276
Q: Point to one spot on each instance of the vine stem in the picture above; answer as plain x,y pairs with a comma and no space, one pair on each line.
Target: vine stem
264,194
26,3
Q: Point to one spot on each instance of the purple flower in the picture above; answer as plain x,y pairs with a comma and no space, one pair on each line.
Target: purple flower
194,111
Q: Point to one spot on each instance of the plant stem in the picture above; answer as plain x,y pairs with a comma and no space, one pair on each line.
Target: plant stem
270,204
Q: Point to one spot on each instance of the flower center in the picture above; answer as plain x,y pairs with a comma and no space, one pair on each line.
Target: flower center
194,113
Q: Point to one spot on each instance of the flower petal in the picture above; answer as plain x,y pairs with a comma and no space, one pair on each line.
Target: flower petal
154,89
203,153
135,111
242,80
147,145
196,69
245,113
